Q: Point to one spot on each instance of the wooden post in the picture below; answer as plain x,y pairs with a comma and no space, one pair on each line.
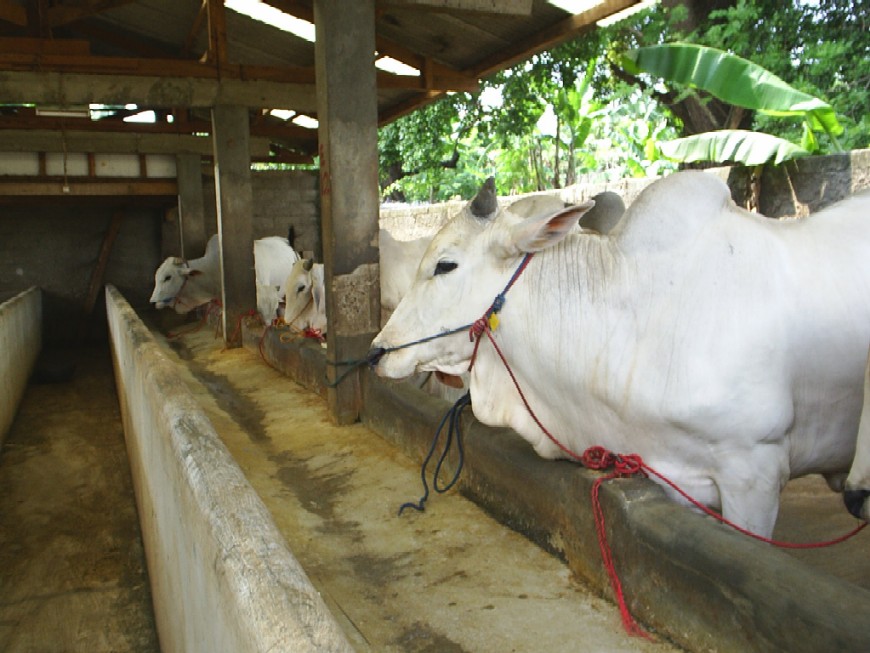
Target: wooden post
348,135
191,208
234,201
99,273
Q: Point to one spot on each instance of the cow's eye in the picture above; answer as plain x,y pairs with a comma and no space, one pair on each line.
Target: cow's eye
168,277
300,289
443,267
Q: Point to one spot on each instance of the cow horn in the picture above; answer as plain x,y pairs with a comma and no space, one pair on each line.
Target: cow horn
485,202
307,264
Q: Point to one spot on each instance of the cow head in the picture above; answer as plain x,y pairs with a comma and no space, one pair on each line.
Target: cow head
169,280
466,265
303,291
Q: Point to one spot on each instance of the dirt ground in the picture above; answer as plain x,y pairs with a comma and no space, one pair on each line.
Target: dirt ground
72,567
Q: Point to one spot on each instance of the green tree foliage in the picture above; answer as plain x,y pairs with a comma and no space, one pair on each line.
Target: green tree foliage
607,120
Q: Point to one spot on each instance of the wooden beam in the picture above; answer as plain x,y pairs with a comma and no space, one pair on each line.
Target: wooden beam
217,33
66,89
12,12
195,29
12,187
548,38
99,273
508,7
12,140
37,19
43,46
87,64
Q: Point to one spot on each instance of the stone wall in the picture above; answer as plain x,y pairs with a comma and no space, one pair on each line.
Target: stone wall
794,189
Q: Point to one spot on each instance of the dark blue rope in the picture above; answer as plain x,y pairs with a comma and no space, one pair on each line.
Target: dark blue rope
454,415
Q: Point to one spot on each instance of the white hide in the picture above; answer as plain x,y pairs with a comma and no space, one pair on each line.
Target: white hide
857,488
725,348
184,285
399,260
273,262
305,297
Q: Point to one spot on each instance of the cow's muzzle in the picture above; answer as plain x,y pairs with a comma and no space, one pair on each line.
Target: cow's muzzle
854,500
374,356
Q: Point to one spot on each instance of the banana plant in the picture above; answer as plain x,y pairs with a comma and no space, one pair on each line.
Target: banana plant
742,83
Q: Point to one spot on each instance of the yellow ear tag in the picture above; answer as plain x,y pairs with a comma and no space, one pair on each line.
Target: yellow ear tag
493,321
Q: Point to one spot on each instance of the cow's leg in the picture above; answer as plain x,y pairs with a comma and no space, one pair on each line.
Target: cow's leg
749,489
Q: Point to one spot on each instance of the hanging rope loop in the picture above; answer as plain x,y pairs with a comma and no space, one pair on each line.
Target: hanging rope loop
454,416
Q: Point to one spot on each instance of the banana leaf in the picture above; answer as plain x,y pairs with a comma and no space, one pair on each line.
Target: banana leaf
739,146
732,79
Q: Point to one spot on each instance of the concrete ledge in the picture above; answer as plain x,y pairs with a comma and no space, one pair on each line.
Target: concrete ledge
20,344
687,577
221,574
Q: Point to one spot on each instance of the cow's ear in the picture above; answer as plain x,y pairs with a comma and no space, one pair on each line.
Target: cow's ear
535,234
190,272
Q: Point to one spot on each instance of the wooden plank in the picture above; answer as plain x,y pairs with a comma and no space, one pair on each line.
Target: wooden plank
12,140
548,38
507,7
25,87
25,45
217,32
12,12
99,273
12,187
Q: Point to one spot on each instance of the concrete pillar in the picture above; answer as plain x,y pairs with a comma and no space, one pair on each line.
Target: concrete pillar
191,210
234,201
348,144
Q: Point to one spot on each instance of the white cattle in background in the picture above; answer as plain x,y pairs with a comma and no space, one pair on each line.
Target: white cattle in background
304,306
273,261
398,267
183,285
857,487
725,348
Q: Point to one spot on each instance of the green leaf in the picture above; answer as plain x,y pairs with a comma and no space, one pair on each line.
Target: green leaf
732,79
748,148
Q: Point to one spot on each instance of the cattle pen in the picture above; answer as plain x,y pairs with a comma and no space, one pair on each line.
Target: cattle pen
255,540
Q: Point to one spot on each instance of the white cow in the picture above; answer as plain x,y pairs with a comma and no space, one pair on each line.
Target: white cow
305,297
184,285
723,347
857,488
399,260
273,261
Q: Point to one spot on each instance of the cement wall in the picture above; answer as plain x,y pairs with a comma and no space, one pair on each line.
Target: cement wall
20,344
222,576
281,199
794,189
56,247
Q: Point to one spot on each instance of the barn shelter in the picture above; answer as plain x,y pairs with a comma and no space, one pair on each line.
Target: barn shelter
92,199
226,90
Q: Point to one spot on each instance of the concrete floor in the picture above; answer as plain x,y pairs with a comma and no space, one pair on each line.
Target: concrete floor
451,579
72,568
